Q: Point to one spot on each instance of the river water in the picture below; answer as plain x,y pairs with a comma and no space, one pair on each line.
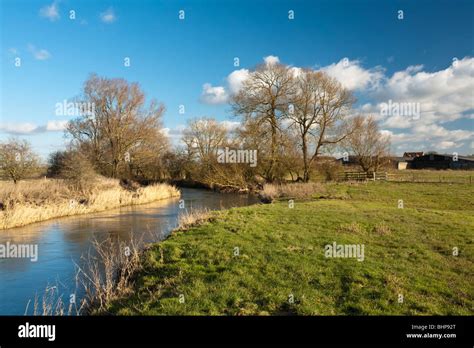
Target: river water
62,242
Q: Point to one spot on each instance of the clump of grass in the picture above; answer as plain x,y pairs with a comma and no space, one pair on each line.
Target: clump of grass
382,229
353,227
51,304
272,192
193,218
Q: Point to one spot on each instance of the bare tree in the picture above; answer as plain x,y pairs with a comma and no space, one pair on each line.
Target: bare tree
368,144
319,113
203,137
17,160
120,121
264,98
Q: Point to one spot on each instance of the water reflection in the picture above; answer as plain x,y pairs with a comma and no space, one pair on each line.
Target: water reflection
61,242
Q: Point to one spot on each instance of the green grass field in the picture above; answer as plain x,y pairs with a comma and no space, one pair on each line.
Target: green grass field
281,269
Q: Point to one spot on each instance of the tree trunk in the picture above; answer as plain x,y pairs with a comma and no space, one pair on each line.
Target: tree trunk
305,159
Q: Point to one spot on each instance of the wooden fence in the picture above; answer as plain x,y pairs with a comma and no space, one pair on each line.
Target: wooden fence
362,176
406,177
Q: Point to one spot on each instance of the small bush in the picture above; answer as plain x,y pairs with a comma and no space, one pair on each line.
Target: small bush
78,172
330,170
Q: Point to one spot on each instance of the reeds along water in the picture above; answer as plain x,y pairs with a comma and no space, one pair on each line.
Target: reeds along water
43,199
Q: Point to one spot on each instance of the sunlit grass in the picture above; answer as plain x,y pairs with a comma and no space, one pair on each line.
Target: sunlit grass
280,256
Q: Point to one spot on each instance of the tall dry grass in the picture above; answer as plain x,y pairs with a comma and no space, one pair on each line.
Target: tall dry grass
44,199
192,218
271,192
105,274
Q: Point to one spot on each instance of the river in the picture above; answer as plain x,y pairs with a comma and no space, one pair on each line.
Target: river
62,242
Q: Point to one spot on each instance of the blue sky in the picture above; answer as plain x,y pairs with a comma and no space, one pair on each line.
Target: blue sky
387,58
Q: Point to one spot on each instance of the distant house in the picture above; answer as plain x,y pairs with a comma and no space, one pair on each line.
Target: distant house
392,162
413,154
400,163
438,161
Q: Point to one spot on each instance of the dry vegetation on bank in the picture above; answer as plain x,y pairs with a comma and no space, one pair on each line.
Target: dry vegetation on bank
44,199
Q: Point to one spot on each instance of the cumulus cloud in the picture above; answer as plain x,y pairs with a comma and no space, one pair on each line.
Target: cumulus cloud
27,128
443,96
108,16
352,75
271,60
50,12
236,79
213,95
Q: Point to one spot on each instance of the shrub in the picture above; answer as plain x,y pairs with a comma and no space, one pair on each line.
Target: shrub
78,172
330,170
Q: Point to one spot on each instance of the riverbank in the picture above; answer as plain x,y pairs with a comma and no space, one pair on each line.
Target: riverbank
414,257
216,187
43,199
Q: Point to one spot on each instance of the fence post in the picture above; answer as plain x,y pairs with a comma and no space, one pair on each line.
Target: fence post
374,175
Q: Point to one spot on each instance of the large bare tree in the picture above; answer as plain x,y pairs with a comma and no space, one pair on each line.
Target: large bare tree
263,100
319,113
120,122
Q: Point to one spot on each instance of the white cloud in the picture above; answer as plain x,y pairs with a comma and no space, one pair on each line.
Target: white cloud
236,79
230,125
445,145
18,128
27,128
271,60
50,12
39,54
352,75
295,71
444,95
213,95
108,16
56,126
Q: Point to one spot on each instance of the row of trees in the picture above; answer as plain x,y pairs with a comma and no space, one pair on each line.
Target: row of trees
290,116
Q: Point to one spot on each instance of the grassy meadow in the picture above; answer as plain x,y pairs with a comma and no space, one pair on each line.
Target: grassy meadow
37,200
269,259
